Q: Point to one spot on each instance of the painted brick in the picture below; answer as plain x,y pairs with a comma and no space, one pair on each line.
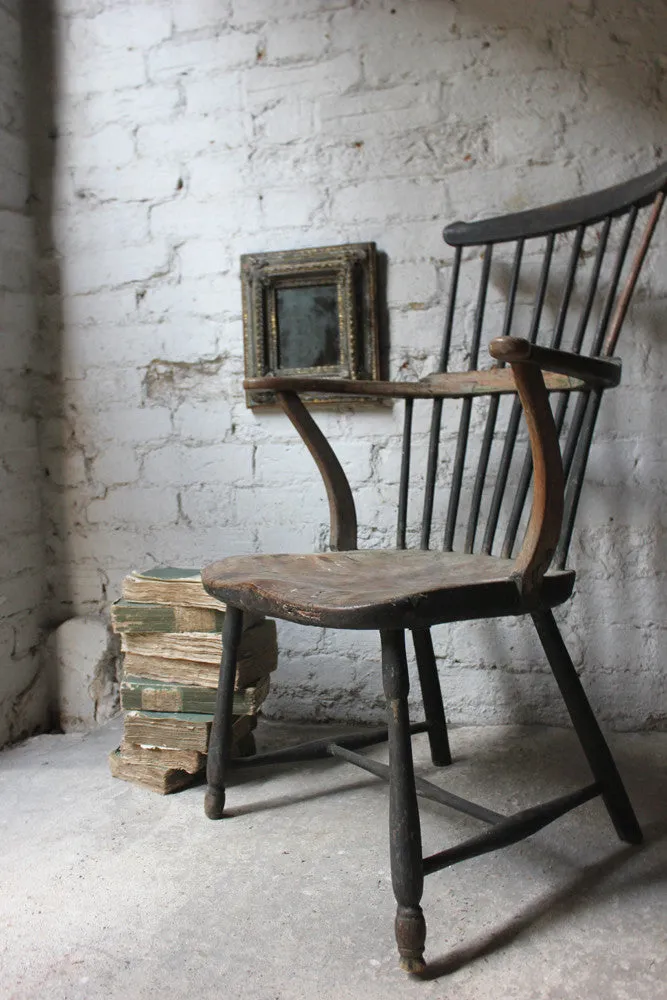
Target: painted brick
13,163
202,507
298,205
420,59
212,465
190,298
275,463
286,538
112,145
15,231
219,175
257,126
252,11
116,464
189,16
139,181
122,224
412,284
395,25
396,109
201,56
385,199
194,136
103,71
199,258
198,421
129,108
131,505
146,425
202,99
302,39
519,138
186,219
17,269
285,121
107,268
69,469
331,76
121,27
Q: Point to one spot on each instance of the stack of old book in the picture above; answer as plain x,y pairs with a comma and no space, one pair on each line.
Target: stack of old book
171,638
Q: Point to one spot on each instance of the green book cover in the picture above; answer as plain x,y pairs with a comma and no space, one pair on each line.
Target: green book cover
143,694
133,616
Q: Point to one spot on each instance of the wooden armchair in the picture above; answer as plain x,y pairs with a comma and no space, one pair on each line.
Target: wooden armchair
531,493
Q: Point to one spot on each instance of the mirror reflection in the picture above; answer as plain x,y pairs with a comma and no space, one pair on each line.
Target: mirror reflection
308,326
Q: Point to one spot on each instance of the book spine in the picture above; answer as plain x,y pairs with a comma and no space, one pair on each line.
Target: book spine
141,694
200,646
178,645
163,780
182,760
128,617
194,673
178,731
191,595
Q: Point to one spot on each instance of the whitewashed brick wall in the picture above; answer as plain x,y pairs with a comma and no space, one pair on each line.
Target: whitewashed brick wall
192,131
22,696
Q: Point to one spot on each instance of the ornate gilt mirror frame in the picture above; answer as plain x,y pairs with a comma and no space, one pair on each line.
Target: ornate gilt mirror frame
310,312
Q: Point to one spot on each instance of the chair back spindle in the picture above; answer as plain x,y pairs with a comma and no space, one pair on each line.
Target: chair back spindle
582,248
464,424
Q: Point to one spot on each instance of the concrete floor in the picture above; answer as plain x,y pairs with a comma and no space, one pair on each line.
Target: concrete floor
110,891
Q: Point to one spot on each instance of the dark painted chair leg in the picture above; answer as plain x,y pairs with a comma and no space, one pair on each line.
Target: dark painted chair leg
221,732
432,697
405,848
590,736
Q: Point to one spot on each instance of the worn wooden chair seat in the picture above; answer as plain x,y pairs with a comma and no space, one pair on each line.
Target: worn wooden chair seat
506,524
376,588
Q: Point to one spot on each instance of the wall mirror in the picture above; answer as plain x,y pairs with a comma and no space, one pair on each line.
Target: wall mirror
310,312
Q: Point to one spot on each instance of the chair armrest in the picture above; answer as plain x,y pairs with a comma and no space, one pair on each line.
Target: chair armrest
602,372
546,516
322,386
447,385
568,372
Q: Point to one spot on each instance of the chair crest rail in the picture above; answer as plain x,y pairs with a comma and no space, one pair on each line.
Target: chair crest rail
587,210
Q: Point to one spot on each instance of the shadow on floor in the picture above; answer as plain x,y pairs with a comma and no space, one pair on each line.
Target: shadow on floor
560,905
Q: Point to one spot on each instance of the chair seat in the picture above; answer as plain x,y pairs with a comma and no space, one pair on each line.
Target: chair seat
377,588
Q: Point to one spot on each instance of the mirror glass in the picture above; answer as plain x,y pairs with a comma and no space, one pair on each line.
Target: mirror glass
308,326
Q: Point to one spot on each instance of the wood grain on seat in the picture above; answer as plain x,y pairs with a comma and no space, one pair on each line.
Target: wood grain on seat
383,588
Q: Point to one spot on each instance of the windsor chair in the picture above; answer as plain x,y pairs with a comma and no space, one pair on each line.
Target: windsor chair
523,494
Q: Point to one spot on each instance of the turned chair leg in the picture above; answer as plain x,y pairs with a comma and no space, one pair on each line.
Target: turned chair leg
432,697
407,874
590,736
220,741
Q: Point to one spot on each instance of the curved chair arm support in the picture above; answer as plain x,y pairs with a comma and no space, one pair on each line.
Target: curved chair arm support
546,515
342,513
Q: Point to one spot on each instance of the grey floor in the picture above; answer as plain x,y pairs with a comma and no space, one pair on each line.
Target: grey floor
109,891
